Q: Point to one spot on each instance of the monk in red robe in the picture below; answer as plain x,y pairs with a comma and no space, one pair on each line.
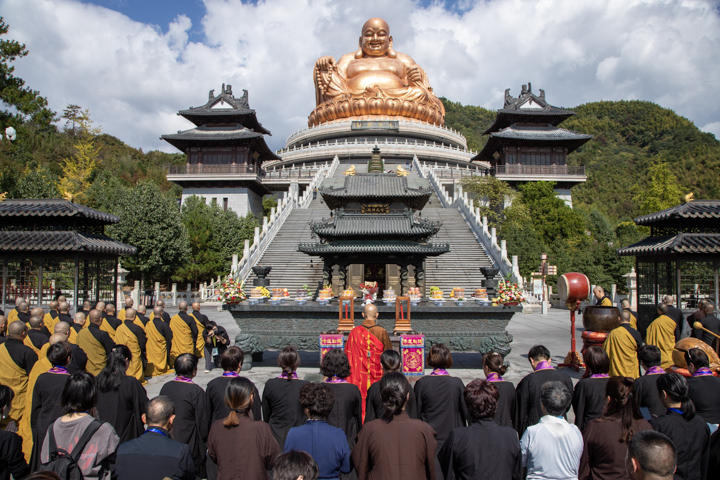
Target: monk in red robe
363,348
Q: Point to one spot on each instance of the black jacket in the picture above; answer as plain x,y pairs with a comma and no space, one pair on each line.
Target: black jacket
152,456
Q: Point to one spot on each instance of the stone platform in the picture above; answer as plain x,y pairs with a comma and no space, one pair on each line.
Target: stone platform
466,328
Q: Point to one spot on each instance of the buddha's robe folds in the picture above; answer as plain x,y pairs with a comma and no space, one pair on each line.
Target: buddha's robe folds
133,337
185,335
97,345
43,365
159,344
622,345
16,364
661,333
50,320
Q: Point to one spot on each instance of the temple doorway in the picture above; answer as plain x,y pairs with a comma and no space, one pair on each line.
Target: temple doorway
376,272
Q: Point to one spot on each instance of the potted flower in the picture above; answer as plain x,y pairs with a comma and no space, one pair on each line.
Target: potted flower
509,293
231,292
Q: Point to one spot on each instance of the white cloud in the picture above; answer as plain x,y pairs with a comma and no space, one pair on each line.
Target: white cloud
134,78
713,128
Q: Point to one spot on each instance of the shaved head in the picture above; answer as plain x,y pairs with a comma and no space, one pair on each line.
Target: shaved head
35,322
63,307
376,23
625,303
196,306
61,299
624,317
110,309
158,311
709,307
23,306
96,316
160,303
183,306
62,327
668,299
18,300
16,328
80,318
141,309
370,312
100,306
129,314
54,305
57,338
87,305
37,311
129,302
3,320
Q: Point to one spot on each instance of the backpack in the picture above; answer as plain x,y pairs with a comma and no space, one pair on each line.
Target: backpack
64,464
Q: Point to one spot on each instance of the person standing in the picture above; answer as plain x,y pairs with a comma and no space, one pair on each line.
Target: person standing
622,345
23,311
16,363
606,438
36,338
78,400
79,322
374,406
626,307
259,445
154,454
133,337
326,444
12,461
601,300
347,409
483,449
216,341
661,333
78,360
64,312
192,422
651,456
51,318
111,322
87,306
710,322
141,320
646,386
280,402
704,387
96,343
129,303
529,407
552,448
494,369
688,431
121,397
395,446
698,314
13,314
159,343
185,333
163,314
589,395
676,314
364,346
201,345
439,396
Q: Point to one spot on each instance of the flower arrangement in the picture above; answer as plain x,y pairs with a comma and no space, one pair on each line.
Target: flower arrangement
509,293
369,290
232,292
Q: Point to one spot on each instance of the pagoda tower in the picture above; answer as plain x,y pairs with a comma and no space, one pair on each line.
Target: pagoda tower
526,144
225,152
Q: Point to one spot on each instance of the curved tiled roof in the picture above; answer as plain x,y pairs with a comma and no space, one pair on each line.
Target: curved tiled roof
376,185
687,243
62,241
366,225
427,249
54,208
539,133
697,209
235,132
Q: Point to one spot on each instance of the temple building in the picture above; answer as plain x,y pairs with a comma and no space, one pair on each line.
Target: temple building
526,144
373,233
225,153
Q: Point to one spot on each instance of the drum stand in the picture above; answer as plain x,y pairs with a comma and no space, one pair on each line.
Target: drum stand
573,359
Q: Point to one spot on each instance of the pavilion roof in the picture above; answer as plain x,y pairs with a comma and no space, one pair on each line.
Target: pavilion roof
694,210
348,225
225,108
62,241
375,185
536,135
528,108
55,208
382,247
684,243
221,136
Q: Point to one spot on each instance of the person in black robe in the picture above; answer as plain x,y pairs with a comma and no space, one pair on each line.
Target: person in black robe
23,312
121,398
529,409
439,397
494,368
646,386
589,395
281,397
165,315
46,407
710,322
698,314
140,314
704,387
374,406
347,409
110,316
64,313
688,431
676,314
12,460
87,306
36,334
216,341
202,318
483,449
192,414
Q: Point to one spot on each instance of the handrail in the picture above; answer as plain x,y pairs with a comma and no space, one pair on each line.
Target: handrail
517,169
417,166
338,143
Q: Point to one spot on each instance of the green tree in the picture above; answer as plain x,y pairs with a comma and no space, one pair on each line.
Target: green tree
150,221
72,115
661,192
24,103
268,202
550,216
79,169
204,262
38,183
490,195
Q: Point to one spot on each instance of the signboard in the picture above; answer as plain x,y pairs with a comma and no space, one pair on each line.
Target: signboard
412,349
329,342
376,208
375,125
537,286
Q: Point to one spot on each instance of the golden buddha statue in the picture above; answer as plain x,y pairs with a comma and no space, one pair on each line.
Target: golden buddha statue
374,83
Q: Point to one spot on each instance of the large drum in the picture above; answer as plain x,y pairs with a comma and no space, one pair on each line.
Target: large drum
573,287
601,319
678,354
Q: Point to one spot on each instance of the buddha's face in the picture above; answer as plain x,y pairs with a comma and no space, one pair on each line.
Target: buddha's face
375,40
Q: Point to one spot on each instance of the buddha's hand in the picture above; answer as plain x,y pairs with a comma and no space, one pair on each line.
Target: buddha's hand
414,75
326,63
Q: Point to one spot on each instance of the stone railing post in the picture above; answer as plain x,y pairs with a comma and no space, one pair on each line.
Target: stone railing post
256,238
136,293
632,288
503,250
174,294
493,237
246,250
234,266
157,291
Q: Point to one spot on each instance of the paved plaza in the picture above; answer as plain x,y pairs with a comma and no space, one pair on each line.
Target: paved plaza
551,330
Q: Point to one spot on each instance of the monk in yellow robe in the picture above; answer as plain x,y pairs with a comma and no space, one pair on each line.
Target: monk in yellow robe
140,319
13,314
601,300
159,345
80,322
185,333
51,318
200,342
43,365
133,337
129,302
165,315
622,345
110,322
661,333
16,362
96,343
37,334
625,305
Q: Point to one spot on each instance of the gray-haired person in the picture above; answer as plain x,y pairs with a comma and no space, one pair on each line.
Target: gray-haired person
552,448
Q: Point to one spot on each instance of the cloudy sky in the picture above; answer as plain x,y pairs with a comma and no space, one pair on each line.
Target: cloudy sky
135,63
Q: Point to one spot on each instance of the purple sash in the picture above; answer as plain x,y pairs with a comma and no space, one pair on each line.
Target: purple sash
439,371
654,370
703,372
494,377
231,374
544,365
334,380
600,375
294,375
183,379
59,370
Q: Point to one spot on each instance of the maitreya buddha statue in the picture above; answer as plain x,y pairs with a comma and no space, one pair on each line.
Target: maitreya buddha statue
374,83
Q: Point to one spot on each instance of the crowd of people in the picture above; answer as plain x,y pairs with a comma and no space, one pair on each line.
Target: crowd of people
78,402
